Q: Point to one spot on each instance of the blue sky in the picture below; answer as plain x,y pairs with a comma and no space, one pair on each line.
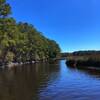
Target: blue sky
74,24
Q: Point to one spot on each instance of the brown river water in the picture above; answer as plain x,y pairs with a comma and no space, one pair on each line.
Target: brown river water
45,81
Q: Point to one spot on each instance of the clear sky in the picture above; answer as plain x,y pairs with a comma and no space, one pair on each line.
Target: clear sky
74,24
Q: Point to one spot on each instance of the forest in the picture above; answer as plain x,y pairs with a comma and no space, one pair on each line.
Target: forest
21,41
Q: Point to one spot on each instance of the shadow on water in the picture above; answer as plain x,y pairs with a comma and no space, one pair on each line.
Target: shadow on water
91,71
25,82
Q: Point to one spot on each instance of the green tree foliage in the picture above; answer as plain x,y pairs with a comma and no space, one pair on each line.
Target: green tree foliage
8,36
22,42
5,9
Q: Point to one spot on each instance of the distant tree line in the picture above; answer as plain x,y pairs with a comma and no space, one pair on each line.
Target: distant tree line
22,42
88,52
81,53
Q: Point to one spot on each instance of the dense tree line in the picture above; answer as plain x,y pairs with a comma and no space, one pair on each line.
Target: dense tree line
88,52
22,42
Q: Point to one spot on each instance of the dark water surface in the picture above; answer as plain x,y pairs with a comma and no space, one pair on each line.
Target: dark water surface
49,82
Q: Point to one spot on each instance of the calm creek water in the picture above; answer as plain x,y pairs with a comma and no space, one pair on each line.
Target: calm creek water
46,81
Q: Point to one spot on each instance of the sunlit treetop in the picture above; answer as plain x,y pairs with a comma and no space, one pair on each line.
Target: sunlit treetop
5,9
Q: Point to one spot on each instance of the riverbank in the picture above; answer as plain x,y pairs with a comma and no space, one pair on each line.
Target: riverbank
78,63
13,64
84,58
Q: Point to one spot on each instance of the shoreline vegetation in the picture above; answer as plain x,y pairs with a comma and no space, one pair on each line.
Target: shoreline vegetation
22,42
83,58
